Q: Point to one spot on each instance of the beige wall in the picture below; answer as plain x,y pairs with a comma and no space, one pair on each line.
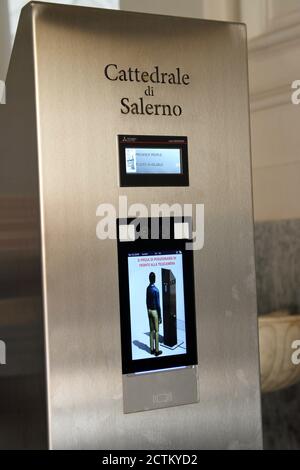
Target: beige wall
274,63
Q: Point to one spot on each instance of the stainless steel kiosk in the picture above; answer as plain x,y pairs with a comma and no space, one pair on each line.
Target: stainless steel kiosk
127,341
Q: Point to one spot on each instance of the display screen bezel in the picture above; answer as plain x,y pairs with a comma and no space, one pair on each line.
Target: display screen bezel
148,246
153,142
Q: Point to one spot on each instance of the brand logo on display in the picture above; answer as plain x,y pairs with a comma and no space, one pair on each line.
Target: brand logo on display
152,79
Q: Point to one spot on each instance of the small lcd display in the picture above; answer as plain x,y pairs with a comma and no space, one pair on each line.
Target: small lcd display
149,160
153,161
157,307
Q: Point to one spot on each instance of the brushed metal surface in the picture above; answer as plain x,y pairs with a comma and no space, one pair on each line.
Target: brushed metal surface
23,418
78,119
153,390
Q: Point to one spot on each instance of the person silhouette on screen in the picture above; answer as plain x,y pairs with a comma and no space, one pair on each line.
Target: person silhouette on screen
154,314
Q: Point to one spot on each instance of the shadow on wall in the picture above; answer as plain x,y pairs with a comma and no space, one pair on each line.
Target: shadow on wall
277,246
4,38
281,412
